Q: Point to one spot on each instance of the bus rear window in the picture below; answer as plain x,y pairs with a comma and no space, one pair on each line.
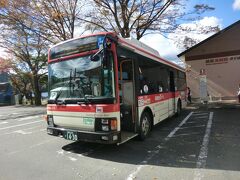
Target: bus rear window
75,46
3,87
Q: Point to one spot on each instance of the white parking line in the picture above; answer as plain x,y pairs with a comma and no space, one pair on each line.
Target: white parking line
186,134
192,127
31,147
12,132
193,122
28,118
22,132
157,149
200,113
201,117
203,114
202,158
4,122
9,127
178,127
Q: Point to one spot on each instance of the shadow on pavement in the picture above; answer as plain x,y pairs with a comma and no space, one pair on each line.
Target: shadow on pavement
182,150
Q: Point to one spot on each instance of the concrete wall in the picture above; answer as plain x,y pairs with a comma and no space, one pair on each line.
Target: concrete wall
222,78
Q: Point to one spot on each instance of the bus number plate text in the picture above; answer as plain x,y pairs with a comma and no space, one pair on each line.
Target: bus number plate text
71,136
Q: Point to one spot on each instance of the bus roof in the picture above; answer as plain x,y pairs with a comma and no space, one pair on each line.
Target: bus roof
145,50
133,45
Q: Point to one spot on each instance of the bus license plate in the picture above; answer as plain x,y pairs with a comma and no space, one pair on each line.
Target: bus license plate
71,136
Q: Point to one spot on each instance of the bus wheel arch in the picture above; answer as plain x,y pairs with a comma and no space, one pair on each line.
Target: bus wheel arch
146,123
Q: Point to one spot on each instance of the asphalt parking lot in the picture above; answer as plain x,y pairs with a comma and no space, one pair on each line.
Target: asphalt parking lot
202,143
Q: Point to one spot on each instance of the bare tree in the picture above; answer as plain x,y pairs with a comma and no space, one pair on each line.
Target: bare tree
189,38
57,18
138,18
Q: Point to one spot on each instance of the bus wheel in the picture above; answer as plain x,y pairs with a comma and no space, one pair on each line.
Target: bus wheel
145,126
179,108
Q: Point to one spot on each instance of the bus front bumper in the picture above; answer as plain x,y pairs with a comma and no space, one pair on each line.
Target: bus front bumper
75,135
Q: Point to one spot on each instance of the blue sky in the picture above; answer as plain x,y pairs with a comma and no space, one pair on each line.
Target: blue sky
223,10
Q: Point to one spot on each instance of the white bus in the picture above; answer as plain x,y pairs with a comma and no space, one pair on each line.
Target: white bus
107,89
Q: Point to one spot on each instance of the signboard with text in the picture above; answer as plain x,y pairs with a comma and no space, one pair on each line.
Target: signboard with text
222,60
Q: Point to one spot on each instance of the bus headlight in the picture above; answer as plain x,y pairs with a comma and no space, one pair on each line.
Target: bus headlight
105,127
104,121
113,124
106,124
50,120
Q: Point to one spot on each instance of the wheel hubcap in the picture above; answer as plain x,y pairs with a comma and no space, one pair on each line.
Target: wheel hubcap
145,126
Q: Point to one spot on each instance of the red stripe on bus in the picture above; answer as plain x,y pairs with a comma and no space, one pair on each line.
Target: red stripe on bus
154,98
72,56
100,108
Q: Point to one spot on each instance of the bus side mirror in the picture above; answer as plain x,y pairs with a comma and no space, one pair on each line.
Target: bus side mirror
95,57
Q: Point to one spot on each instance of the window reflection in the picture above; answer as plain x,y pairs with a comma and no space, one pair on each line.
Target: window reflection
80,78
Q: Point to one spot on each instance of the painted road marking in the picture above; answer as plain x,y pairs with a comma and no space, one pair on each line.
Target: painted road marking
202,158
4,122
200,117
200,113
186,134
22,130
157,149
193,122
31,147
9,127
28,118
178,127
192,127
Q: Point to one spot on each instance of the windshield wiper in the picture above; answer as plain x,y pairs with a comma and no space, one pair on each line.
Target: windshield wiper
86,99
56,98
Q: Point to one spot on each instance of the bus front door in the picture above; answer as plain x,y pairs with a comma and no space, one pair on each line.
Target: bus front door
127,100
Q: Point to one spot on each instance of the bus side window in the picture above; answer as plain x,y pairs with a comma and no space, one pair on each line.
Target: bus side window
144,85
160,87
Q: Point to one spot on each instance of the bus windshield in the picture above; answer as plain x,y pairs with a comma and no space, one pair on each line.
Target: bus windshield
81,79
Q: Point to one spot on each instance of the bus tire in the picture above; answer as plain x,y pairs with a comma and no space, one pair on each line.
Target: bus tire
145,126
179,108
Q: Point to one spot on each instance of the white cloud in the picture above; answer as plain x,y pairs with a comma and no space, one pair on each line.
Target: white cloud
210,21
236,5
196,25
166,46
